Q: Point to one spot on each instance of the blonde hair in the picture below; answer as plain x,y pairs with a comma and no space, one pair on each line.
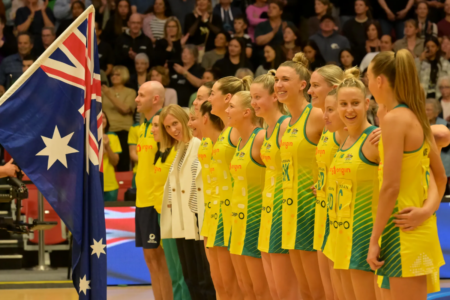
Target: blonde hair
192,111
167,141
210,8
245,100
332,74
124,73
406,86
179,31
165,80
351,79
300,64
232,85
268,82
414,23
436,106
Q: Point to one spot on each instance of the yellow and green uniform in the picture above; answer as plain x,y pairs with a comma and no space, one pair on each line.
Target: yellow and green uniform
271,227
354,205
133,137
159,176
417,252
220,221
146,150
248,186
204,157
326,149
299,166
329,241
111,186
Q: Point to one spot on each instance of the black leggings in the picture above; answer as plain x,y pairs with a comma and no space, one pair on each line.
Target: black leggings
124,157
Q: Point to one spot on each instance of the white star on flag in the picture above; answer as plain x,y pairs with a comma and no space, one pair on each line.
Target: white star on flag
57,148
84,285
98,248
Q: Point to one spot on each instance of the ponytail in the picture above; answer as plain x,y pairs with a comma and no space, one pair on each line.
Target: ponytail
300,64
232,85
351,79
217,122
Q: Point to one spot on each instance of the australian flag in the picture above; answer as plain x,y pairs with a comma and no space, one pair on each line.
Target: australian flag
51,124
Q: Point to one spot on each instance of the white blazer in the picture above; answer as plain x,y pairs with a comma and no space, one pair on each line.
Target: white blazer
179,221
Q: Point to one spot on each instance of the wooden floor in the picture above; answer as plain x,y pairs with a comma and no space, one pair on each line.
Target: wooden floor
114,293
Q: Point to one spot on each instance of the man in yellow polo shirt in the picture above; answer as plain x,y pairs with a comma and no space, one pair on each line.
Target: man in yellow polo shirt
133,137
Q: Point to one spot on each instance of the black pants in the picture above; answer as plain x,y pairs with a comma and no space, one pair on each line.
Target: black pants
124,157
196,269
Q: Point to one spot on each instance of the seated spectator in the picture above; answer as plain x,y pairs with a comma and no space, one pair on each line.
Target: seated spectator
185,78
312,53
27,61
242,72
444,88
117,23
132,42
105,52
8,43
155,20
140,74
346,59
394,16
202,26
240,25
322,8
444,24
355,29
329,41
254,14
33,17
63,10
291,38
227,14
119,105
385,45
221,44
445,46
234,59
373,35
412,40
169,48
274,57
431,66
11,66
427,28
112,150
48,36
76,9
161,75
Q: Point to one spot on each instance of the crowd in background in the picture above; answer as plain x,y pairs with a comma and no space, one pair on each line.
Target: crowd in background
184,43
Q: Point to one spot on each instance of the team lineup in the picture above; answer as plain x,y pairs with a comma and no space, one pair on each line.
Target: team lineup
280,188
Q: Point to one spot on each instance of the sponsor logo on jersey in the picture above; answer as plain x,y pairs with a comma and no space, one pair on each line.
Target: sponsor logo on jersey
235,167
268,146
348,157
320,152
157,170
205,144
342,171
242,154
215,151
151,239
265,157
286,144
201,156
295,131
425,152
144,148
325,140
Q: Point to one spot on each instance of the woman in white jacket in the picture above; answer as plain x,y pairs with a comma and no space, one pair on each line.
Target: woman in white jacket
183,203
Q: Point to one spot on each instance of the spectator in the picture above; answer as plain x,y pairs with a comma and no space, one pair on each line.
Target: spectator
444,88
346,59
312,53
27,61
208,76
395,14
385,45
76,9
48,36
431,66
159,74
8,43
112,150
132,42
11,66
227,14
169,48
427,28
240,25
412,40
242,72
221,44
202,26
322,8
254,12
234,59
105,52
291,38
445,46
63,9
33,17
444,24
119,105
141,6
436,10
274,56
155,20
117,23
185,79
373,35
329,41
140,74
355,29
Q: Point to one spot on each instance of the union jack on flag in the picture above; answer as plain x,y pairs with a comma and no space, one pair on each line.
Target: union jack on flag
51,124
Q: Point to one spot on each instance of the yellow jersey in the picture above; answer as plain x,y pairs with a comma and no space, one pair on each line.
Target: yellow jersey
204,157
109,173
220,223
159,178
133,137
248,178
270,232
299,174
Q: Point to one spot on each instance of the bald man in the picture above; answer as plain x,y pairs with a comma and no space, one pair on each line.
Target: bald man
132,42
